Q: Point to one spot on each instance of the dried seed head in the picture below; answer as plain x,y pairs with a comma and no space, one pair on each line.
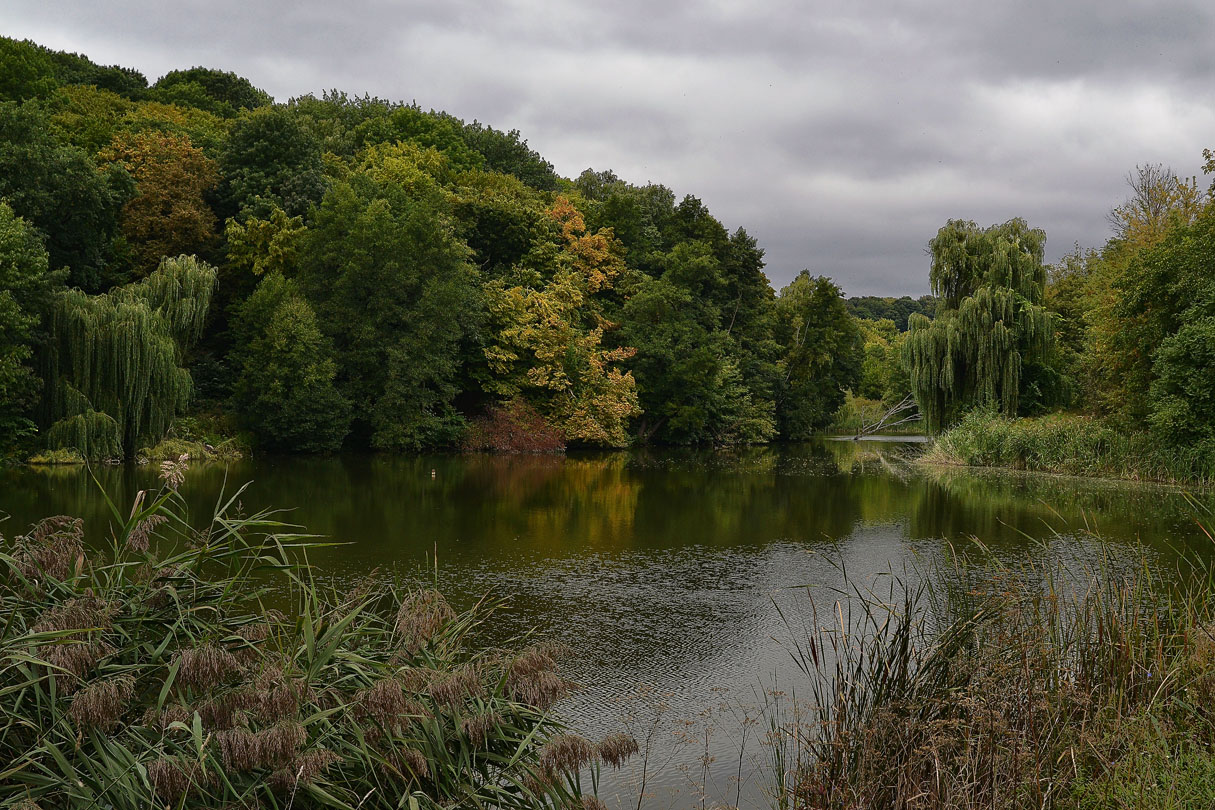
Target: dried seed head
68,661
278,745
539,690
163,718
206,666
100,704
81,613
593,803
171,778
139,537
455,687
173,473
303,770
53,547
279,696
615,749
478,727
422,615
226,710
408,764
238,749
566,753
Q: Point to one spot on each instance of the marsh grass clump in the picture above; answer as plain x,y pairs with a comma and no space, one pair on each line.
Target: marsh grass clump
986,687
1067,444
151,673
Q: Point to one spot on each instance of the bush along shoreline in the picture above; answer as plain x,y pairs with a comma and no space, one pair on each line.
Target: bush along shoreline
152,673
1067,444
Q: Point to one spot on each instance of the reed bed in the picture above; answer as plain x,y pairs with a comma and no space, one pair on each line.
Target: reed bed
153,673
1067,444
984,687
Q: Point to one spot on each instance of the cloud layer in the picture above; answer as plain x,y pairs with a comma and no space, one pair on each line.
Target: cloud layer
842,135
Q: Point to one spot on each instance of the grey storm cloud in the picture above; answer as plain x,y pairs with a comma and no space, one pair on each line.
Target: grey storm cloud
840,134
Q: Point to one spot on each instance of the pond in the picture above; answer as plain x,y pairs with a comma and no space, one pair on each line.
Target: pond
677,577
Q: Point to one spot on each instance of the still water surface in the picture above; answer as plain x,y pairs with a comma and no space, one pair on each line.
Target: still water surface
672,575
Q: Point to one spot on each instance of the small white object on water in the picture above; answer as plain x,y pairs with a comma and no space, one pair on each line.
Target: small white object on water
432,473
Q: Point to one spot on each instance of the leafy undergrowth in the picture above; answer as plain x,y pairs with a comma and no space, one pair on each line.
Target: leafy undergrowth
1067,444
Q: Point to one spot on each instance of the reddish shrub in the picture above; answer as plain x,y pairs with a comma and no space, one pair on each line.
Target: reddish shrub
515,427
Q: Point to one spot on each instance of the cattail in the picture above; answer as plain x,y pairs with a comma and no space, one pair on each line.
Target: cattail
478,727
139,537
421,616
206,666
615,749
566,753
100,704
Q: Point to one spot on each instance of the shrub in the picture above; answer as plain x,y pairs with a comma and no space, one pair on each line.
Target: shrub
514,427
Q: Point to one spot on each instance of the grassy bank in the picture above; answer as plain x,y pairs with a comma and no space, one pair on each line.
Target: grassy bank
153,674
1068,445
1006,690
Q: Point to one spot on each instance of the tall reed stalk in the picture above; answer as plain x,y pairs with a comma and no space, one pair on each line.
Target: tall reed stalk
154,673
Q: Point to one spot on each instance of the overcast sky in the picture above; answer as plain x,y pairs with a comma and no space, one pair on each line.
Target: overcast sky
840,134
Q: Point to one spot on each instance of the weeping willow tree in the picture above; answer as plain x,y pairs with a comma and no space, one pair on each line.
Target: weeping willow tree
113,365
990,322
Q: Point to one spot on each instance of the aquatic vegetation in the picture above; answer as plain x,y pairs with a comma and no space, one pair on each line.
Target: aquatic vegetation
985,686
155,672
1067,444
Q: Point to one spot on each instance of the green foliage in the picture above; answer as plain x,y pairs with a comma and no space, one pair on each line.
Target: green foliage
429,130
26,287
118,356
60,191
26,70
896,310
152,673
883,375
286,393
1183,391
218,92
823,354
271,159
264,246
394,291
1069,445
990,321
508,153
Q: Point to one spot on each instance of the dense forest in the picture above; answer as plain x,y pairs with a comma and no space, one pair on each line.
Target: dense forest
191,257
